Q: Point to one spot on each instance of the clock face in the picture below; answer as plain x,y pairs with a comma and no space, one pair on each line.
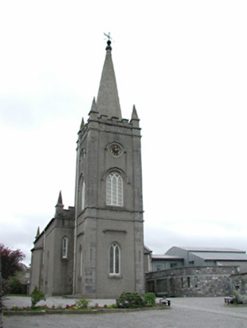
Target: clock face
115,150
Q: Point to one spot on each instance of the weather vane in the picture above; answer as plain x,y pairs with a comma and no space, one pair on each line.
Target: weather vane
108,36
108,41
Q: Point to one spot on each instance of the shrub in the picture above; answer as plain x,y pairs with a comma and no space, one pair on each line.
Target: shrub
149,299
15,286
36,296
129,300
82,304
112,306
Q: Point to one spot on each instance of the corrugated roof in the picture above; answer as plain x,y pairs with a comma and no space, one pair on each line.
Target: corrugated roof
212,249
221,256
166,257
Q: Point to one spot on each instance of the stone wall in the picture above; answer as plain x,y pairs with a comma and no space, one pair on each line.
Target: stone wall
239,282
191,281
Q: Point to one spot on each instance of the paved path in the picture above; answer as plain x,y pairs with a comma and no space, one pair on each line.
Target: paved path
184,313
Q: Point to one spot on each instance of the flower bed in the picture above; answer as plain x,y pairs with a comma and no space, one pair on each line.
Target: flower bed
126,302
42,310
78,306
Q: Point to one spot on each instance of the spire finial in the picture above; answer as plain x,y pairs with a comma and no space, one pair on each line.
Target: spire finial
108,41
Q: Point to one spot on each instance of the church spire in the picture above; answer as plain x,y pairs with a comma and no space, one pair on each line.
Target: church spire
107,100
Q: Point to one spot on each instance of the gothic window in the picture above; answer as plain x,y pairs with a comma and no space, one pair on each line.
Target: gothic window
114,260
82,159
80,260
114,189
65,242
81,196
83,154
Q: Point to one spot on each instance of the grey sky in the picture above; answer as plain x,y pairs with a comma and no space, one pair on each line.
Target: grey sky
183,64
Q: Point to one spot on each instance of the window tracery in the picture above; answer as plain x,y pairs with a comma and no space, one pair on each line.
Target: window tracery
114,259
114,189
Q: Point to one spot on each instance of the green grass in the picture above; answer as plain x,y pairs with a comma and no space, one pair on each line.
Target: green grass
16,295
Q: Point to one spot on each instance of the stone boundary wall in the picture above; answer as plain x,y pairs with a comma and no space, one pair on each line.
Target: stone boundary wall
239,282
191,281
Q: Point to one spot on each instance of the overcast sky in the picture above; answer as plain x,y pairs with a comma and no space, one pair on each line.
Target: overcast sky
182,63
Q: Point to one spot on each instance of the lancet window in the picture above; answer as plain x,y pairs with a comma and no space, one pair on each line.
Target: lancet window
114,259
114,189
65,243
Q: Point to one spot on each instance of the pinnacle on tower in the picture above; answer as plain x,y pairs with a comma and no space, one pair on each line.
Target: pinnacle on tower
82,124
134,118
134,113
59,206
93,112
38,233
108,100
60,199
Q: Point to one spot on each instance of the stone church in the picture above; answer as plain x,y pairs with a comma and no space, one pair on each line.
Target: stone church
95,249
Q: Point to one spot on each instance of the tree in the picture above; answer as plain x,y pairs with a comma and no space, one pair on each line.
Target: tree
15,286
10,261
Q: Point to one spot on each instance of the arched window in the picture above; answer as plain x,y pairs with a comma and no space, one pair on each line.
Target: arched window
114,260
80,260
114,189
65,243
82,154
81,193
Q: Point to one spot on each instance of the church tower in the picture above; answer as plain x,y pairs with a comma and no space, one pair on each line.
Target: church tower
108,238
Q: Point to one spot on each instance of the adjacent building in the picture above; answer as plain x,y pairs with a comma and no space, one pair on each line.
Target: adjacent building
196,271
209,256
